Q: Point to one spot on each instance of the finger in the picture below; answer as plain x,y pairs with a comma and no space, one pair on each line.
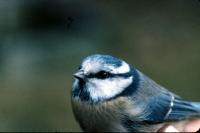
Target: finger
192,126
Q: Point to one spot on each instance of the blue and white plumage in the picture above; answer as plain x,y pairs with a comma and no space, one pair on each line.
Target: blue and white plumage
110,95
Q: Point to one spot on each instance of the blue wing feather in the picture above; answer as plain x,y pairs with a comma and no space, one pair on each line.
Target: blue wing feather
184,109
169,107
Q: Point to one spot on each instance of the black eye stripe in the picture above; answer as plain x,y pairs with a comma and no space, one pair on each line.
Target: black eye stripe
125,75
110,75
99,75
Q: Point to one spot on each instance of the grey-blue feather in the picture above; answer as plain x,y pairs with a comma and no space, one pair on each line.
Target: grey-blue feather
162,104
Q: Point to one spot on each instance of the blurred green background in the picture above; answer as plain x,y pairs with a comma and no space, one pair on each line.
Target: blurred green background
42,42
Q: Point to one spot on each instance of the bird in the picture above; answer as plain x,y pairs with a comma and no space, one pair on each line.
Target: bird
108,94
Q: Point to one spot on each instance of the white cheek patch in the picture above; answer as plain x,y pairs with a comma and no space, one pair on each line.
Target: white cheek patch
108,88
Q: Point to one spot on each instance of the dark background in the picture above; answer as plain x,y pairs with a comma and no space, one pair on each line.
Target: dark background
42,42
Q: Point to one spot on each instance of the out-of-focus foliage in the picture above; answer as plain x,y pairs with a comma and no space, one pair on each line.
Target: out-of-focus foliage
42,42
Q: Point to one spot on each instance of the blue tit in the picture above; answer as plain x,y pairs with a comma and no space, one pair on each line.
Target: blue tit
110,95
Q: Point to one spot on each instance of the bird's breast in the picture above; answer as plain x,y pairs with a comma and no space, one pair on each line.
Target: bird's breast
104,116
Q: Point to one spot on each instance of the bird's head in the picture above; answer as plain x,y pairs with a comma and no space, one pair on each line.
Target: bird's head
102,77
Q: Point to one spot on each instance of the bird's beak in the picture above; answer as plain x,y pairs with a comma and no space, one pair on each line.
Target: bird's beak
79,74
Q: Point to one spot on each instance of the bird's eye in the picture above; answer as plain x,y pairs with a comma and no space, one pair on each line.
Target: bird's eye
102,74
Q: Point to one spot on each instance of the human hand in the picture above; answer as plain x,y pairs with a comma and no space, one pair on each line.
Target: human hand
186,126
